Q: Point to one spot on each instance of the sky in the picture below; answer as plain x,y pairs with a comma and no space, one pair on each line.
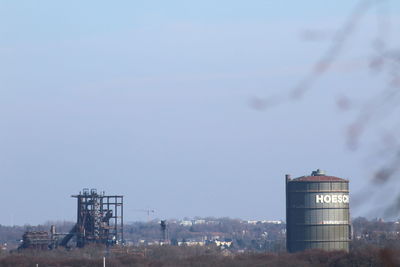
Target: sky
152,100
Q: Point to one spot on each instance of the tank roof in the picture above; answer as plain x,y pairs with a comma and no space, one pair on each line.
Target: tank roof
322,178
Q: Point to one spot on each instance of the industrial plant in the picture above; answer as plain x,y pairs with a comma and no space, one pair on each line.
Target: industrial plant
317,213
317,217
99,220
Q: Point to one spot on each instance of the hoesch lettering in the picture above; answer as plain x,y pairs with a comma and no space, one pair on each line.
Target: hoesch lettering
331,199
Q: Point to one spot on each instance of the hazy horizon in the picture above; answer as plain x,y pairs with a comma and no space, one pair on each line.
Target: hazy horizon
152,100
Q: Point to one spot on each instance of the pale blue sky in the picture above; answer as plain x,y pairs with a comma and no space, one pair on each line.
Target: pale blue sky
150,99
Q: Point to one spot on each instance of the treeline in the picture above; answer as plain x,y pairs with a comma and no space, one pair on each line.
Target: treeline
376,233
262,237
166,256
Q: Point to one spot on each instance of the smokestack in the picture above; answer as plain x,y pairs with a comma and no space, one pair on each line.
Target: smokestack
53,230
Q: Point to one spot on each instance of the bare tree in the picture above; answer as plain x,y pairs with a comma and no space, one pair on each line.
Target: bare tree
384,61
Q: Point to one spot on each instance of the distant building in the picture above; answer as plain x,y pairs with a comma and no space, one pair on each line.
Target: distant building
191,243
272,222
225,244
254,222
186,223
317,212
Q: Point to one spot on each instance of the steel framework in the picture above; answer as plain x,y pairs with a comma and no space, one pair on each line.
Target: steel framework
99,219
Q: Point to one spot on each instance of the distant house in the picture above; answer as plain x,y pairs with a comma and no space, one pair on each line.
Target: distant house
264,221
214,235
186,223
225,244
191,243
272,222
192,222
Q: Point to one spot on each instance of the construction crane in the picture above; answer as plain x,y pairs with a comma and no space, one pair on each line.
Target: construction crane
148,212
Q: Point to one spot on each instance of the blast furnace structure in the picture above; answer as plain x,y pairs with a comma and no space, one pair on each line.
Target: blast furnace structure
99,219
317,212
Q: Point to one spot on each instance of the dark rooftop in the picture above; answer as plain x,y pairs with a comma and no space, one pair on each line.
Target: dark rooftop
318,176
319,179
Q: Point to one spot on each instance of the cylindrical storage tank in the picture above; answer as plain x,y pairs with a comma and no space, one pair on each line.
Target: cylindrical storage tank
317,213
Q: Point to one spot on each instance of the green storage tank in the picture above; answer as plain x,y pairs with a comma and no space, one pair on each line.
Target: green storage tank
317,213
